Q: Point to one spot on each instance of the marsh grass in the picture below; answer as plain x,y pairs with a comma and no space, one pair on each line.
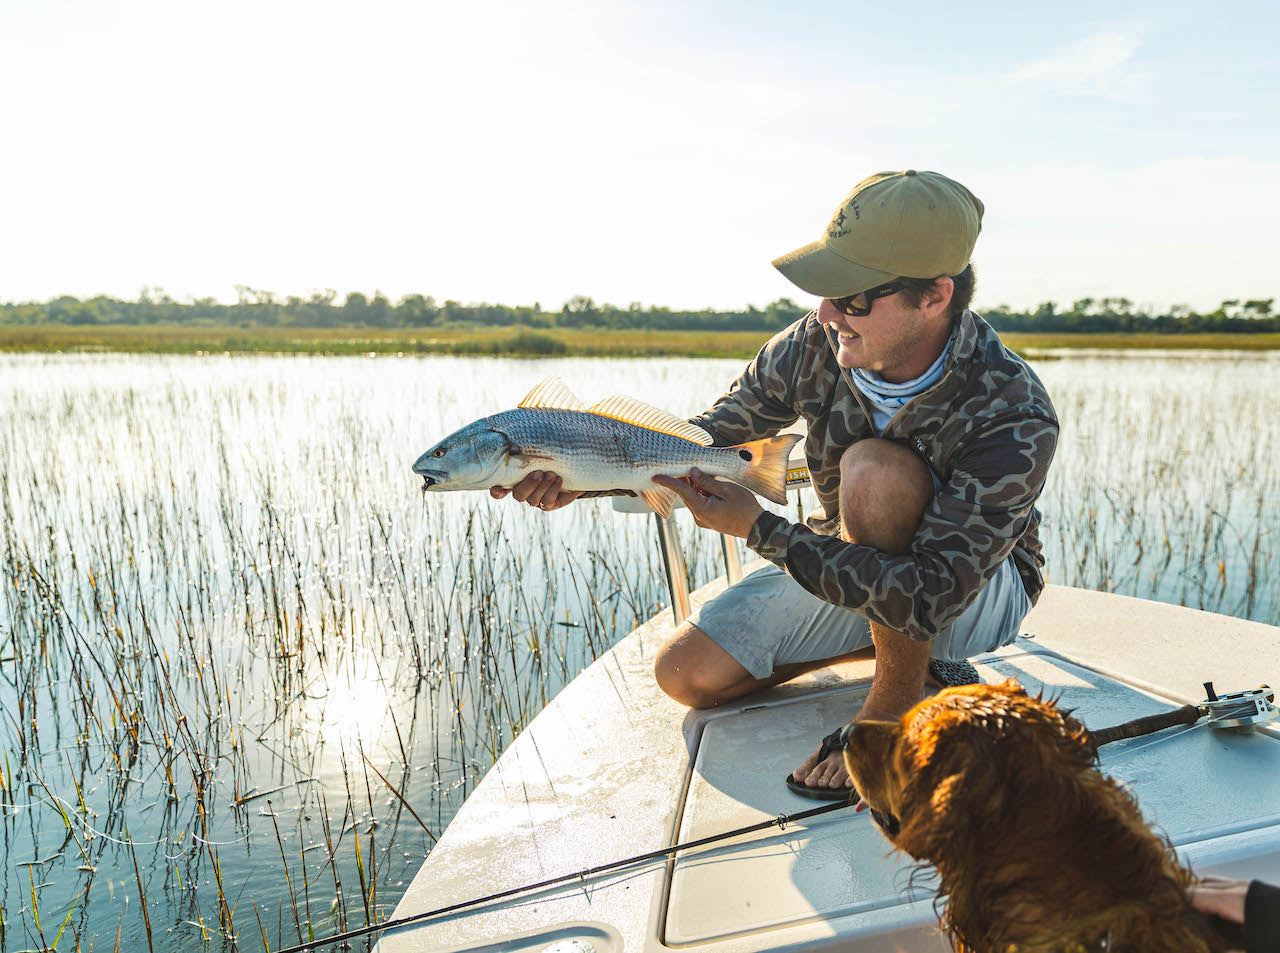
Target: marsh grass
527,342
244,659
1166,485
249,674
365,341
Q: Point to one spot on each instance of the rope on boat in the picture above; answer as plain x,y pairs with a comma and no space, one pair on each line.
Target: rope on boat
780,822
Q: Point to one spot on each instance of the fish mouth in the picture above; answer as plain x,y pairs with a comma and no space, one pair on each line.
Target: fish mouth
429,476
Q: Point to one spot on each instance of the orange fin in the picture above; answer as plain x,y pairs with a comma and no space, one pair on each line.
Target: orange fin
660,499
636,412
552,394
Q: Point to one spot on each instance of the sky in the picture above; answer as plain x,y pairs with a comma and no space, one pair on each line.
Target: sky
627,150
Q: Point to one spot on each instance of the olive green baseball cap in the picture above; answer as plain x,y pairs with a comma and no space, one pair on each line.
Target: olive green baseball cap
894,224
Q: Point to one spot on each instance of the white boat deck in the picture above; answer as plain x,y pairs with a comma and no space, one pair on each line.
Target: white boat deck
613,768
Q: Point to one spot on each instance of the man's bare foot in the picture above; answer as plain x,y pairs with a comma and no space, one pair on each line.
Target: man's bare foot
830,771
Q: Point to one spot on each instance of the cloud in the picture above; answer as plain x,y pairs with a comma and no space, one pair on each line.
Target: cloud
1098,65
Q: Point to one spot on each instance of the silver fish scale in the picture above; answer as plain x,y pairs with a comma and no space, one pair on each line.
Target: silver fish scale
596,449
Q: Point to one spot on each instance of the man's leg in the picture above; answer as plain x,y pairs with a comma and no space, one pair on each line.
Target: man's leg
884,489
694,670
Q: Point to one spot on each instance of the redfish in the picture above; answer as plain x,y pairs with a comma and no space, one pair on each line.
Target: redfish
617,444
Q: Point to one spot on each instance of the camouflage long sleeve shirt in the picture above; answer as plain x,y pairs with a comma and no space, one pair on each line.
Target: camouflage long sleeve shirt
986,429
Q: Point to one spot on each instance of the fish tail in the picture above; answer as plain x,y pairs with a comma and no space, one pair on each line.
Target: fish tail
766,472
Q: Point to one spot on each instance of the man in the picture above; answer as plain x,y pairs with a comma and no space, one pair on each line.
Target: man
928,445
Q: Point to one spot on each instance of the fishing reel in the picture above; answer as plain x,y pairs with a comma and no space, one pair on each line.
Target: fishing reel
1239,711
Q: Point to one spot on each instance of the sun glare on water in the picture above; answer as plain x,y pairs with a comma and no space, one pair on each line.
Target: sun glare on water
351,712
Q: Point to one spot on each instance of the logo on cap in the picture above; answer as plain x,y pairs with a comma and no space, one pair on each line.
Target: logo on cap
837,229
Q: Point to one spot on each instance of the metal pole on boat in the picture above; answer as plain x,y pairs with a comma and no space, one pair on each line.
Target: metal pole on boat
732,562
673,563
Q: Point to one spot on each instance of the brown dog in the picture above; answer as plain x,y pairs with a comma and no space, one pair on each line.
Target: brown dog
1036,849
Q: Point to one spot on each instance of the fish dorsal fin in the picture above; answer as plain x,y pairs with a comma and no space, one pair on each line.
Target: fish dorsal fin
632,411
552,394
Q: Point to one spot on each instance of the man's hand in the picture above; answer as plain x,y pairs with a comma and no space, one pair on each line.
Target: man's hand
1219,896
539,489
716,504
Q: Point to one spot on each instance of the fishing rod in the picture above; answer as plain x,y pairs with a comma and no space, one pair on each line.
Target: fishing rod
780,822
1238,711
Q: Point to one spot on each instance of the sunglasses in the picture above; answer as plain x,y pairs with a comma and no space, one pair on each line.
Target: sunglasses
859,305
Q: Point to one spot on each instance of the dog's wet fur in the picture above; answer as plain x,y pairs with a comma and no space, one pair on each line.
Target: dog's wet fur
1036,849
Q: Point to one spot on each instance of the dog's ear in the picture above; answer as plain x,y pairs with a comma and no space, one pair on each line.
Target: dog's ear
956,788
939,825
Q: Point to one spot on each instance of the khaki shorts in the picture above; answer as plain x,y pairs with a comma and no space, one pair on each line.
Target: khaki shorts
768,619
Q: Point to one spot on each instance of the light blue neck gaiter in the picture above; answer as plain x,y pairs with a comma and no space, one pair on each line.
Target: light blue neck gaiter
887,398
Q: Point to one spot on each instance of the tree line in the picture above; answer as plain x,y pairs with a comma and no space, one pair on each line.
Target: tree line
255,308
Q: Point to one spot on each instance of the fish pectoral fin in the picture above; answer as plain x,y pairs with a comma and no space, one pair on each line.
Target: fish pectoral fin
552,394
637,412
660,500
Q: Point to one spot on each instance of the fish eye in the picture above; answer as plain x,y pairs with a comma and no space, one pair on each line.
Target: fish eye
439,452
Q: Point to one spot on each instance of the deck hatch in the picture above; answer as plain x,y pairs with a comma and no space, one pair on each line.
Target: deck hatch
838,865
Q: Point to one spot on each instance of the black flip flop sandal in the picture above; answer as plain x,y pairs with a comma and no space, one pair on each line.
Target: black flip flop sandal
946,672
831,743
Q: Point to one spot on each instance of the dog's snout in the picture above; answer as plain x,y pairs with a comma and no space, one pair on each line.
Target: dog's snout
886,822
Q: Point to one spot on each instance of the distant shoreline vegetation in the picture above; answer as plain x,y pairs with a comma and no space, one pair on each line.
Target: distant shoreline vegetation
265,309
521,342
260,322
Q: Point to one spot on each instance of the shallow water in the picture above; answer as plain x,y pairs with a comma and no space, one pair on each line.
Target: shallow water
221,580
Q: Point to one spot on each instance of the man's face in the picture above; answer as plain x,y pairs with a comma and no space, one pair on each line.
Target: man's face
891,340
